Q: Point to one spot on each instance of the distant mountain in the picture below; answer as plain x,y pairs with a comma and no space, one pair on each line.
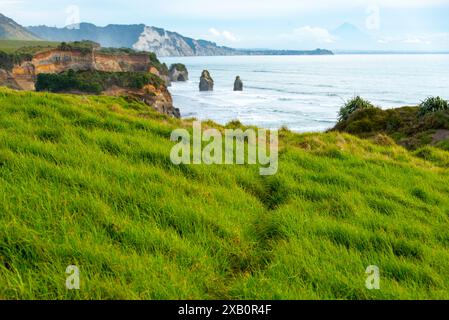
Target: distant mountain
140,37
166,43
349,31
115,36
11,30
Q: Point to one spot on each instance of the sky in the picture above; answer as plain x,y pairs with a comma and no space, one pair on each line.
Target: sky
273,24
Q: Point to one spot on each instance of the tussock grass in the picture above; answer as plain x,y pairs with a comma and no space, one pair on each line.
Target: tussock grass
88,181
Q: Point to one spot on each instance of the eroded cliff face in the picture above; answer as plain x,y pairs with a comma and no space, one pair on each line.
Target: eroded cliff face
23,77
170,44
7,80
121,63
57,61
159,98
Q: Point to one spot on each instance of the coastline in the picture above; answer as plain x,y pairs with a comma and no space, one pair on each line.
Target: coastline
305,93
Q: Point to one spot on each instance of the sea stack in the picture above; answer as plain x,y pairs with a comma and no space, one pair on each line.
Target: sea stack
206,81
238,84
178,72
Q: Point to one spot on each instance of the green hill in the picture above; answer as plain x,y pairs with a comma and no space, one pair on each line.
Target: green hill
87,181
10,30
11,46
407,126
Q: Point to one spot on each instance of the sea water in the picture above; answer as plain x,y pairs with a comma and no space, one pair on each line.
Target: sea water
305,93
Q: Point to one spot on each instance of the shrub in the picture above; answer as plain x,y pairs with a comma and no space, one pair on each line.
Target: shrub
117,51
66,81
95,81
85,46
432,104
161,67
8,60
353,105
383,140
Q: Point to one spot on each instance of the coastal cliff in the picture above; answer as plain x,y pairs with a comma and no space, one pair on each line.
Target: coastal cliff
162,42
110,63
59,60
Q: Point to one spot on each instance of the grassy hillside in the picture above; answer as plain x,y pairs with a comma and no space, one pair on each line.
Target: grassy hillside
88,181
407,126
11,46
9,29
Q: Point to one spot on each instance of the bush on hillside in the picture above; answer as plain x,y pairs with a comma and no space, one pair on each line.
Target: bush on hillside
433,104
161,67
84,46
8,60
117,51
95,81
353,105
67,81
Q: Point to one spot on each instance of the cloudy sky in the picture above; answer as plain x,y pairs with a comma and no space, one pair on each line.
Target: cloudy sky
277,24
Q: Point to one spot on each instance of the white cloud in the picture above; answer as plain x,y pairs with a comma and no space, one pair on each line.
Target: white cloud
308,34
214,32
223,35
231,9
408,3
416,40
385,40
434,39
229,36
10,4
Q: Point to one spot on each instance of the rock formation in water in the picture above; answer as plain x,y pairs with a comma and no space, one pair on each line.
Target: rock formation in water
238,84
178,72
206,81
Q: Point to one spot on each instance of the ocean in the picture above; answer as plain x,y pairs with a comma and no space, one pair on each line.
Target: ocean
305,93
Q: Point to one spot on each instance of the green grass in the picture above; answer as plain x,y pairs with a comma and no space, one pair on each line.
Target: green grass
88,181
11,46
